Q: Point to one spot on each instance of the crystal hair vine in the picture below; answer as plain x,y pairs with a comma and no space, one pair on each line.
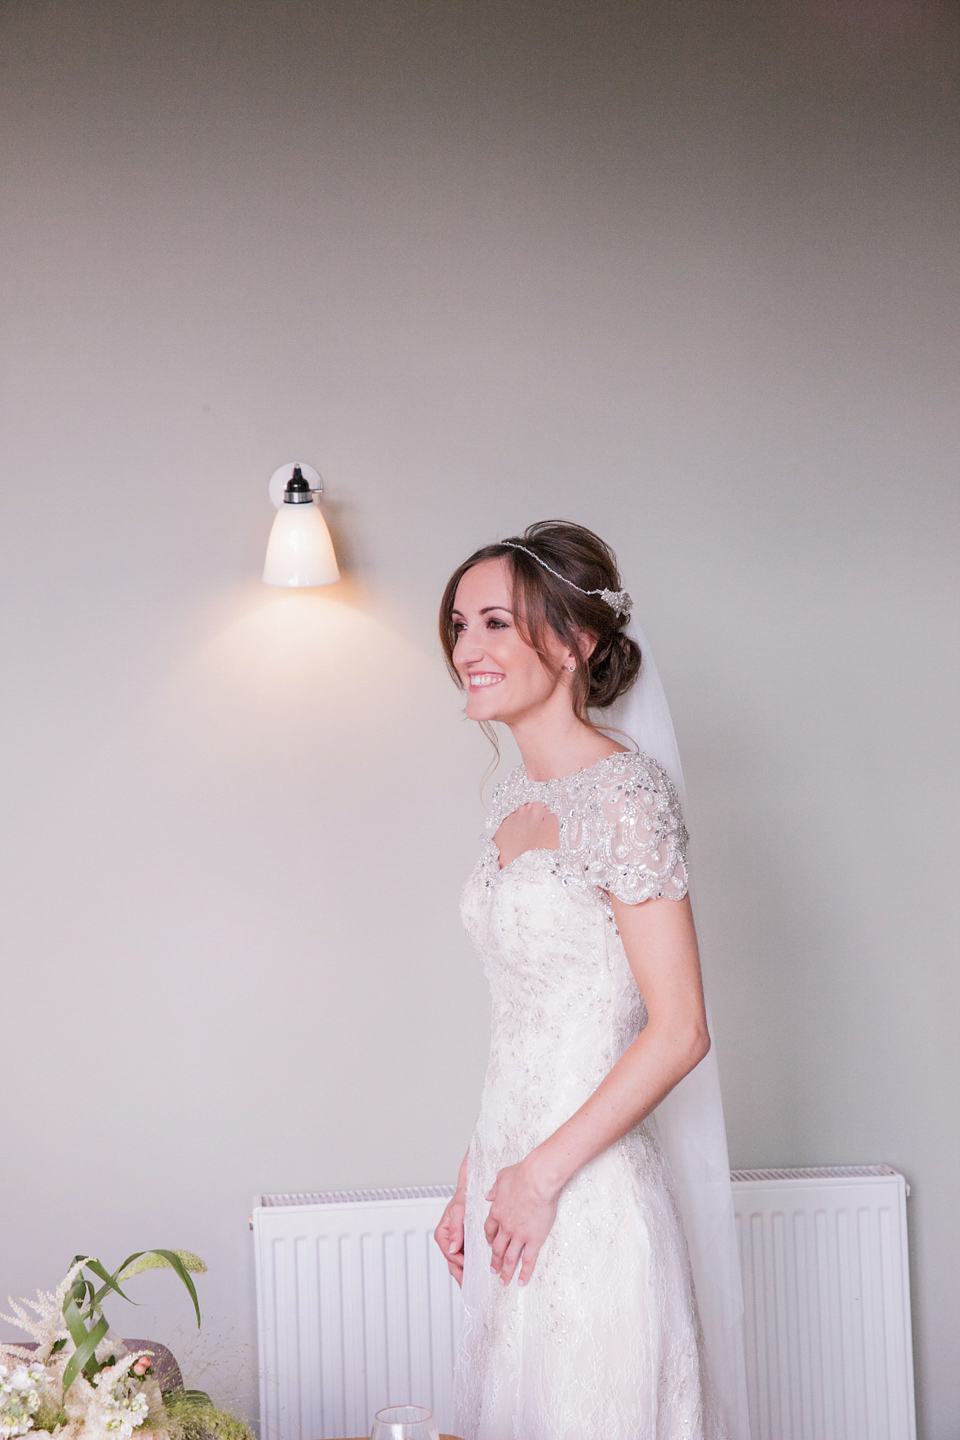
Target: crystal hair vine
618,600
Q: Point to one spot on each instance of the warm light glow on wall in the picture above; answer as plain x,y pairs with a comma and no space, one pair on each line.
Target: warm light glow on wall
282,675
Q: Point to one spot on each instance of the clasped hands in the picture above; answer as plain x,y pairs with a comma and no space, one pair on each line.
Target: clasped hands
522,1211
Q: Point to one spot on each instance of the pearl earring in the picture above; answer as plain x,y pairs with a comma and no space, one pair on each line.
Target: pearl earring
573,666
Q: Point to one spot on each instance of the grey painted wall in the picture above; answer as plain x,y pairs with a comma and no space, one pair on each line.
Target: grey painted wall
685,273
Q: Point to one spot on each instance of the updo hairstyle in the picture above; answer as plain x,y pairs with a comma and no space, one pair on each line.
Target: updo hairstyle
542,603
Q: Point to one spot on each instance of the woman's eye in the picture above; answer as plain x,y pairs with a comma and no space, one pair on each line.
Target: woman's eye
494,624
458,626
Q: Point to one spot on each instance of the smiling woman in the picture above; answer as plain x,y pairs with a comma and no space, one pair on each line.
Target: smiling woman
578,908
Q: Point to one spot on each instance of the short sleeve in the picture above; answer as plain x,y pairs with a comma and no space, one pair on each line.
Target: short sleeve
632,839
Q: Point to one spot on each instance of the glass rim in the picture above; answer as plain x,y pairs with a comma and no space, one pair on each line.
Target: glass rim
403,1415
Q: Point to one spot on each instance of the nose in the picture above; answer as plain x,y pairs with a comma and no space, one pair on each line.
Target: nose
467,647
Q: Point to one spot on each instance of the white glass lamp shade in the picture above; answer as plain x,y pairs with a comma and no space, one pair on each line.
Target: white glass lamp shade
299,551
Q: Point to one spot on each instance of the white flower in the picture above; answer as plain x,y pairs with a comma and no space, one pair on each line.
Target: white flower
19,1399
118,1404
9,1427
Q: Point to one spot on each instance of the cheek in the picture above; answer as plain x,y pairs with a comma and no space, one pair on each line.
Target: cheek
528,670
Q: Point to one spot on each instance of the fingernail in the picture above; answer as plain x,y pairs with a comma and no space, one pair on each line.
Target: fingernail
453,1249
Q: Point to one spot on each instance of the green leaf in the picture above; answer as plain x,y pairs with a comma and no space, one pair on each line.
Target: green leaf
175,1262
74,1320
80,1285
85,1351
110,1283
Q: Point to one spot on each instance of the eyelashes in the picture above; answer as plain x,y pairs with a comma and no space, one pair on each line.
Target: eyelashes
491,623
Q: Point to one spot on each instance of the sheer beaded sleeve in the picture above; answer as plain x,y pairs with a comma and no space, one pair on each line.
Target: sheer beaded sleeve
629,833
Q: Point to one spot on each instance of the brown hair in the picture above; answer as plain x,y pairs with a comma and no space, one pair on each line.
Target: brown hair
543,602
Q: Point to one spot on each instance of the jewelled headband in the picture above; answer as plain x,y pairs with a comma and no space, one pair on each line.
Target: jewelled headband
618,600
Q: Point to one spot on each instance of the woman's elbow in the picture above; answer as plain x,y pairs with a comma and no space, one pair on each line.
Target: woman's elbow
698,1046
684,1044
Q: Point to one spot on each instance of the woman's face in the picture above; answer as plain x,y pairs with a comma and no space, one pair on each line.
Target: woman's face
503,676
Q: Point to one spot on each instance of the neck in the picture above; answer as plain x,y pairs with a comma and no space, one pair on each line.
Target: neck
554,743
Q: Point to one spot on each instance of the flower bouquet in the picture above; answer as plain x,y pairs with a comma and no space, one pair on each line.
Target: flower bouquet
77,1380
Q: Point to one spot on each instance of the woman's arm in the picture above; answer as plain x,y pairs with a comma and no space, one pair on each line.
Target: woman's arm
661,948
449,1233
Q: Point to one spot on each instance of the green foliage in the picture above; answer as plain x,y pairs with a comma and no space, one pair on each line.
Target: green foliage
196,1417
157,1260
83,1306
49,1417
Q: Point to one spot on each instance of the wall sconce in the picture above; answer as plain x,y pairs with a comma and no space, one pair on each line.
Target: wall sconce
299,551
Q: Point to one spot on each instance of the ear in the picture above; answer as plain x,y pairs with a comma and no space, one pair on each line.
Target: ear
586,644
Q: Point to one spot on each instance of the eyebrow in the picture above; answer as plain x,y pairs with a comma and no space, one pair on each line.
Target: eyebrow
485,611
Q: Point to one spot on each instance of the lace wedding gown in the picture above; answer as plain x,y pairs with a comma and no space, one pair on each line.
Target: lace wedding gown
604,1343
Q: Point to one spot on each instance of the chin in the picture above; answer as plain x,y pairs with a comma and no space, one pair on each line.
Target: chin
481,712
481,707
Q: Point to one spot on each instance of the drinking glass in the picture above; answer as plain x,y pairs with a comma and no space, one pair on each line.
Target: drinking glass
404,1422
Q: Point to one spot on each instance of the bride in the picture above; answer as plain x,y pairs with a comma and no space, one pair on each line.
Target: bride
592,1238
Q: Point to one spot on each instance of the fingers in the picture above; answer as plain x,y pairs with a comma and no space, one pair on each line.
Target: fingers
511,1258
530,1253
506,1254
449,1233
498,1248
455,1266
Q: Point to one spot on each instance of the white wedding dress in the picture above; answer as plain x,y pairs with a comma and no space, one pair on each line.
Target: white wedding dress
604,1343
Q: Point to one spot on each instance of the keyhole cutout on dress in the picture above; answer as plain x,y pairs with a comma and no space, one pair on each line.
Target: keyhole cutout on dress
530,827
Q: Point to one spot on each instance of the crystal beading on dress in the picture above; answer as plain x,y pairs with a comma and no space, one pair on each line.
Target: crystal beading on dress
604,1343
619,818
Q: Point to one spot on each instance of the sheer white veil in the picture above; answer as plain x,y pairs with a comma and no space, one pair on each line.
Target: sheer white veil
690,1119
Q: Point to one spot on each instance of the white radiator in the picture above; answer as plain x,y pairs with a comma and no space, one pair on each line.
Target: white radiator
823,1255
356,1309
